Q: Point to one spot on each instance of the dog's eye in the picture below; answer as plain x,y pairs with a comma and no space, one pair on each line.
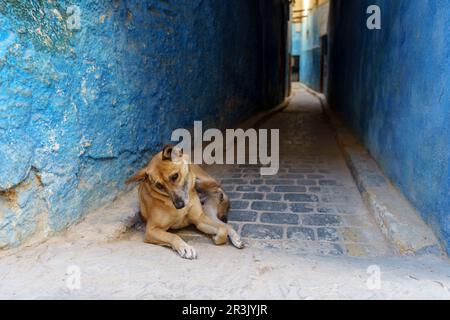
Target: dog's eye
159,186
174,177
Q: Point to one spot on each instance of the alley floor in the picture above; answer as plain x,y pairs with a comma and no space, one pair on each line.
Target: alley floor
308,233
312,204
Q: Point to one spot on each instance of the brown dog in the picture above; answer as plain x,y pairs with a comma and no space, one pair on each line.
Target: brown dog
169,199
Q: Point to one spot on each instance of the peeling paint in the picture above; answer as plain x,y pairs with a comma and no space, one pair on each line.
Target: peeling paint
82,110
40,20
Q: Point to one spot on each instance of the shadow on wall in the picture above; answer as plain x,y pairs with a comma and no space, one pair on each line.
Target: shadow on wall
392,86
82,106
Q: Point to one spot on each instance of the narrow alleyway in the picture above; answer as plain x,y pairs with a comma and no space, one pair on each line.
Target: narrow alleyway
359,208
308,231
312,204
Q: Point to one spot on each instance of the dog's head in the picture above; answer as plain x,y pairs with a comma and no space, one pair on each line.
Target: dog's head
168,175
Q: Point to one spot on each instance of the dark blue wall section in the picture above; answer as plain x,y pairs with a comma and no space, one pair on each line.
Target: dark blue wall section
80,110
392,86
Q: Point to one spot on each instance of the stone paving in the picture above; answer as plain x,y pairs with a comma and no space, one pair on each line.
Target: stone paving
312,204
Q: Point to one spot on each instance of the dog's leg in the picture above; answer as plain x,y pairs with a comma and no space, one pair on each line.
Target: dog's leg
234,237
161,237
211,211
208,226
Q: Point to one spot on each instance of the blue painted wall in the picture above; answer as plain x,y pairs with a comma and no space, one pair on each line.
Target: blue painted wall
80,110
393,88
307,44
296,39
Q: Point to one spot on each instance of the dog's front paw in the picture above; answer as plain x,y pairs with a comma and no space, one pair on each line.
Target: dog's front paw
237,242
235,239
187,252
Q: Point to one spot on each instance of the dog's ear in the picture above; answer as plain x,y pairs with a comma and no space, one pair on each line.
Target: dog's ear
138,177
169,151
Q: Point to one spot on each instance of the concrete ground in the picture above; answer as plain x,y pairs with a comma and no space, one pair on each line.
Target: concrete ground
308,231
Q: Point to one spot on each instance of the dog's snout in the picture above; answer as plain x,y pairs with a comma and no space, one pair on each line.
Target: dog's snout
179,203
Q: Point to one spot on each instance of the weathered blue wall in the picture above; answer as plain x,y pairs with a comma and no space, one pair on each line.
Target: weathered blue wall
80,110
295,39
307,44
393,88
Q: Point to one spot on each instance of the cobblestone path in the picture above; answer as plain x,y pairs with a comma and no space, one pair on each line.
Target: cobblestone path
313,203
